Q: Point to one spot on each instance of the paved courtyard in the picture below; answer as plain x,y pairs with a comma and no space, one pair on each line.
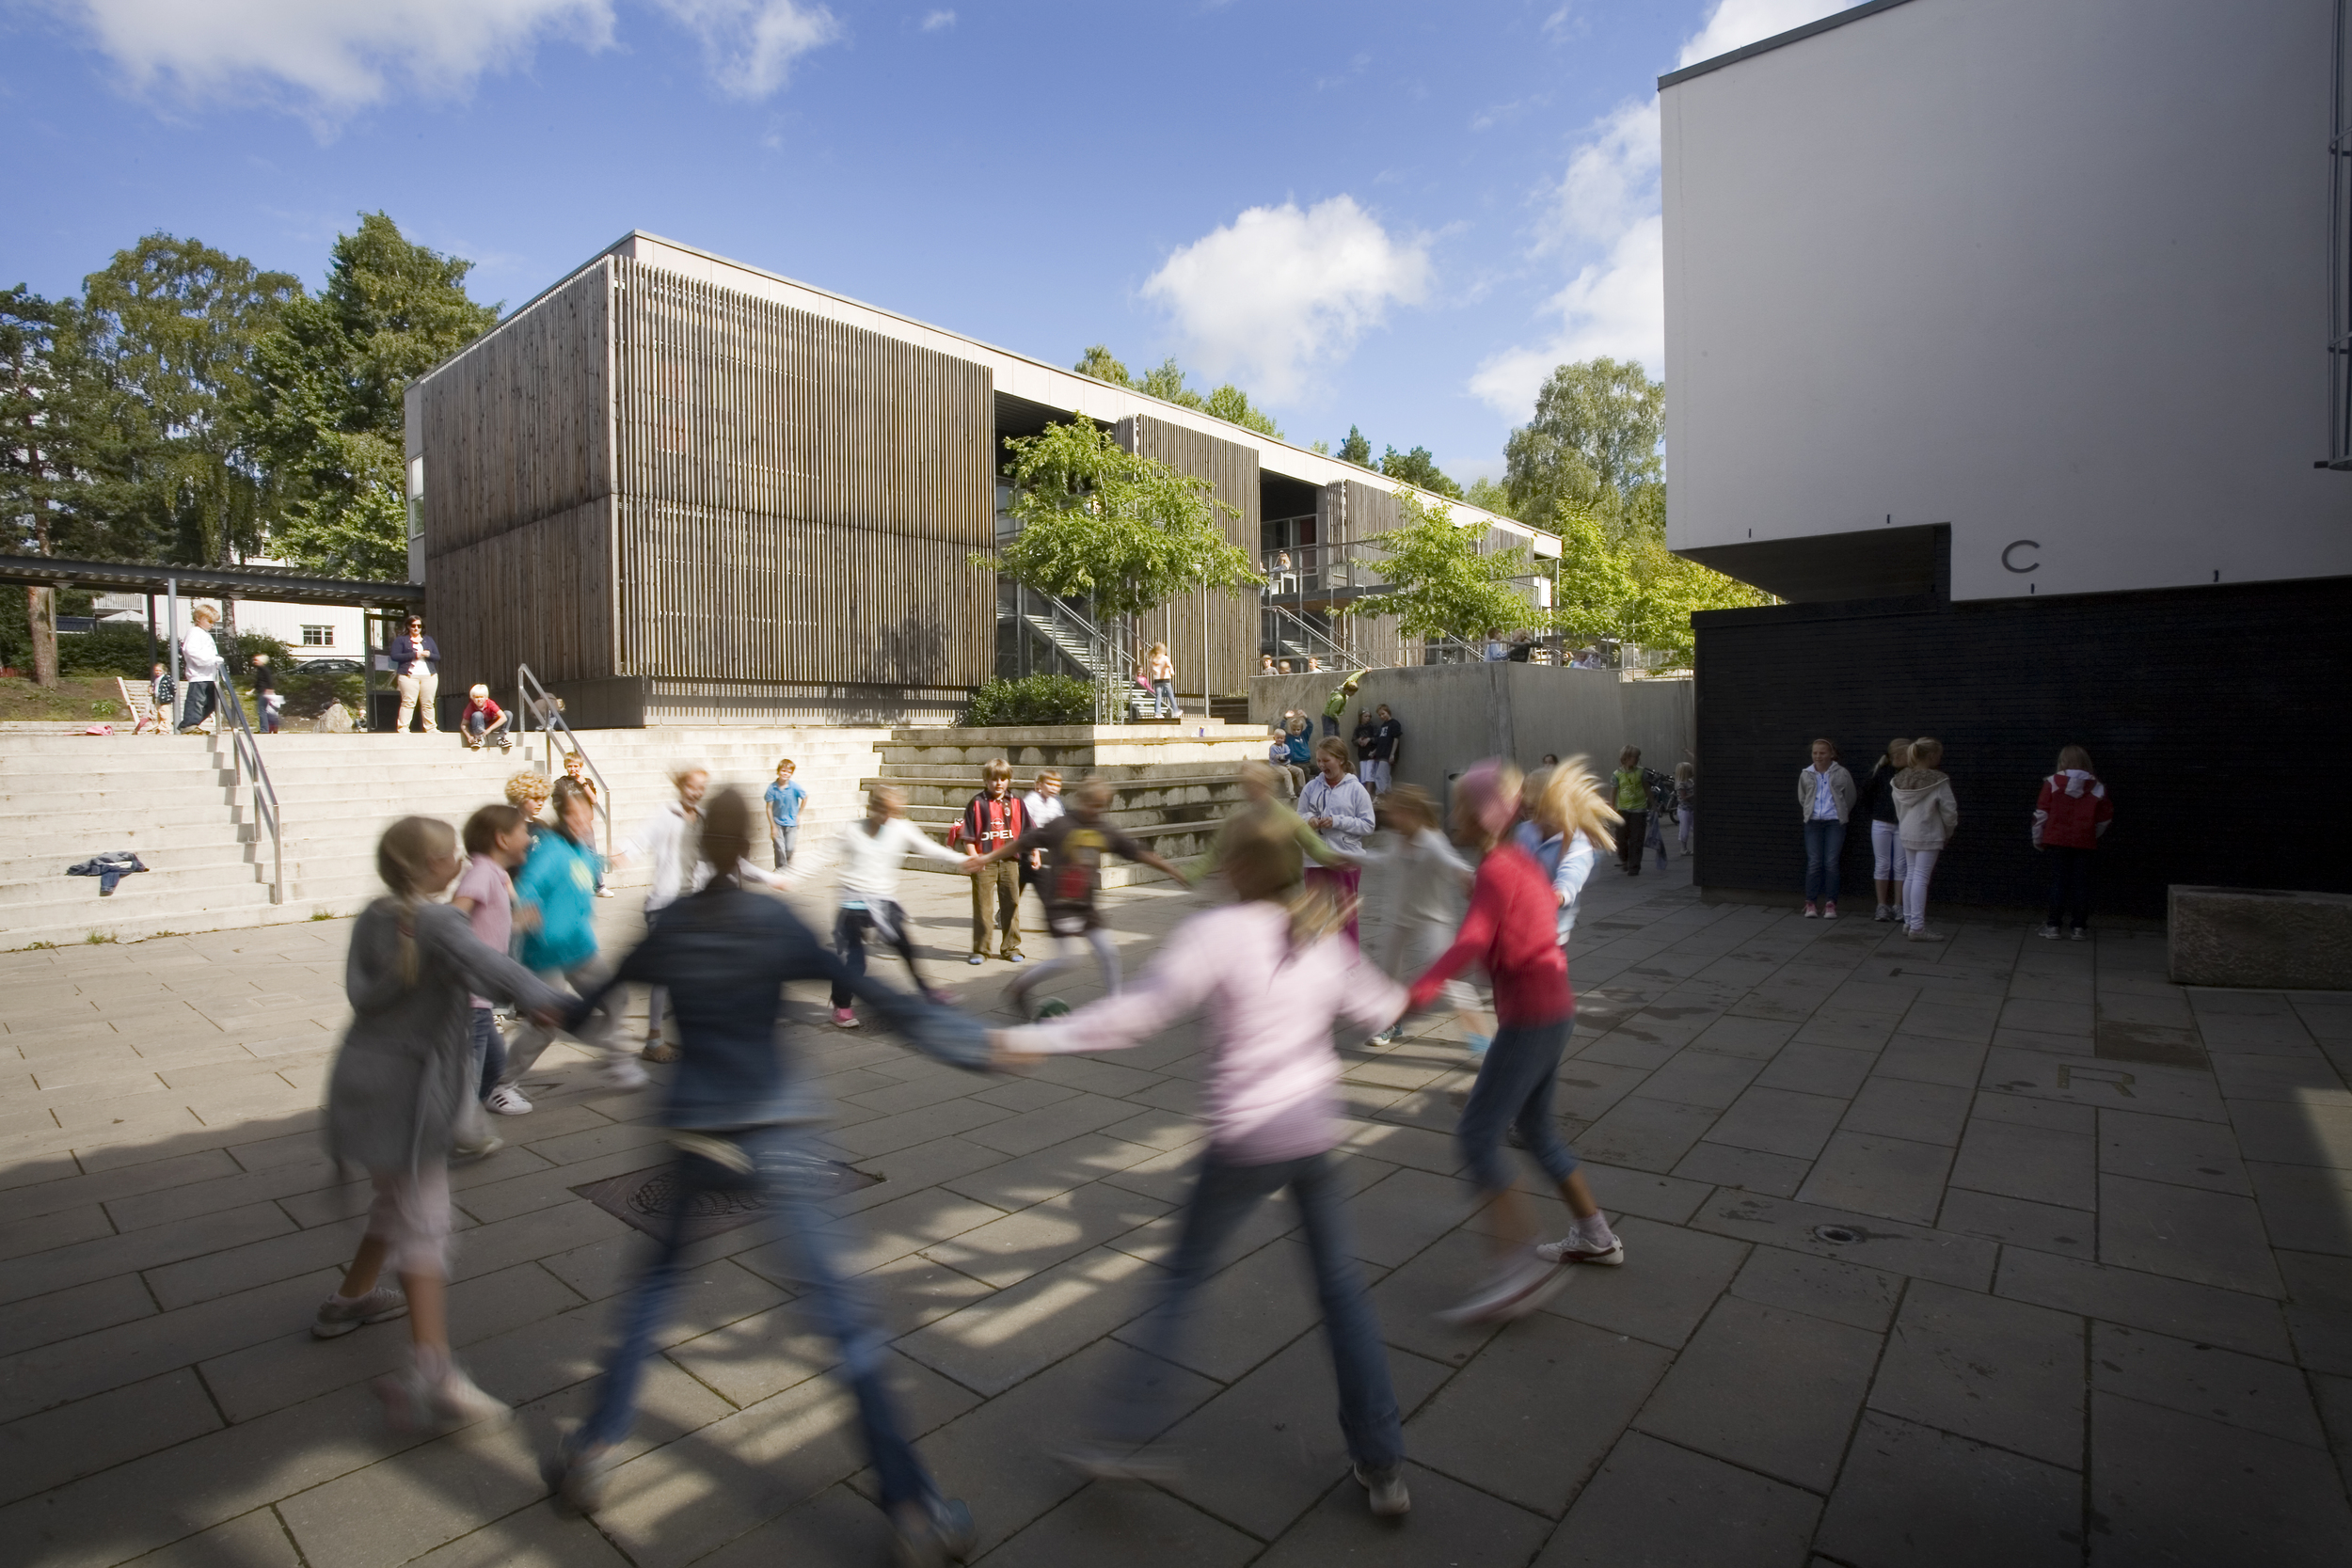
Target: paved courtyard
1993,1250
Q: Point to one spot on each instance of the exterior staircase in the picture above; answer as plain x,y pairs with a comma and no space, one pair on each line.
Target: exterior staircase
173,800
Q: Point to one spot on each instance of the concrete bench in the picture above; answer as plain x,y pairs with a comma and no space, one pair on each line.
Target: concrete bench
2260,939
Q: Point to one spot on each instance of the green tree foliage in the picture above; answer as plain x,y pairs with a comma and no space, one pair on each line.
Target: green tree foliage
325,402
161,366
1418,467
1031,700
1592,443
32,470
1439,583
1099,523
1489,496
1166,381
1356,449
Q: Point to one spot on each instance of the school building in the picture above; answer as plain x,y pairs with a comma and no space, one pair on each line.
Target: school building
2012,345
685,490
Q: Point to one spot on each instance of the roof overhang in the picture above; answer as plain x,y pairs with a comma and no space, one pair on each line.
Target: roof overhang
276,584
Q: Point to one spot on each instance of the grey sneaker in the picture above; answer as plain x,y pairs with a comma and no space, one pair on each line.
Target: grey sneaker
413,1405
931,1535
1516,1288
1388,1498
577,1473
1578,1248
2049,933
338,1317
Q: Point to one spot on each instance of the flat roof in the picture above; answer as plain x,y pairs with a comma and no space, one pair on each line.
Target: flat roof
1778,40
272,585
1030,379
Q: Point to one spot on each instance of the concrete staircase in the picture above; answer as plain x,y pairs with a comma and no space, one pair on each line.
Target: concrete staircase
174,801
1174,784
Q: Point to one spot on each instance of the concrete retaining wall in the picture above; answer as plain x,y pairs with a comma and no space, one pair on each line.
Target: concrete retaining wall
2260,939
1455,714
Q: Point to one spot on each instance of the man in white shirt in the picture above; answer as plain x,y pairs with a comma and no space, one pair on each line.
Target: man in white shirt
199,658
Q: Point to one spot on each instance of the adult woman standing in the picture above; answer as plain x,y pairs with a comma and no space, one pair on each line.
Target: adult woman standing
1824,800
1160,671
1886,839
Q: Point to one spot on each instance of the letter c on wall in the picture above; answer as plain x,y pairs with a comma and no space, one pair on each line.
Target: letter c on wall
2008,556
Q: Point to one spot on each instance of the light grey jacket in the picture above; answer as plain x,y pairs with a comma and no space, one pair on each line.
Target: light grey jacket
1840,790
406,1066
1924,807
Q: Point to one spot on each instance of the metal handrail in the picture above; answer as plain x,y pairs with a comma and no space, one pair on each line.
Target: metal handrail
246,758
1103,651
551,721
1335,653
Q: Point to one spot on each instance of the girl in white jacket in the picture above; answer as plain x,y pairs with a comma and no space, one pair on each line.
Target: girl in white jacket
1926,815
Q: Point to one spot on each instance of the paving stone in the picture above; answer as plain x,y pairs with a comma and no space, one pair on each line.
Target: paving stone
1657,1506
838,1527
2038,1164
1005,1251
1403,1213
1248,1311
1931,1059
2168,1149
1841,1023
1722,1164
1757,1039
1906,1249
235,1268
1409,1299
2213,1238
1671,1278
2334,1397
69,1313
80,1263
38,1452
390,1513
2204,1380
2199,1312
1631,1047
1403,1146
1031,1130
1700,1077
1589,1087
1016,1184
1917,1112
2306,1078
2306,1208
1915,1495
1893,1177
1822,1069
1138,1525
536,1538
1451,1523
1770,1390
2108,1085
1262,1451
1017,1332
255,1539
1648,1134
873,1139
1985,1368
2155,1475
1823,1286
2057,1115
2042,1225
1668,1198
1779,1121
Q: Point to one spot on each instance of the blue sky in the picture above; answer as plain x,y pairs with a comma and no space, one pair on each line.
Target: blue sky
1388,214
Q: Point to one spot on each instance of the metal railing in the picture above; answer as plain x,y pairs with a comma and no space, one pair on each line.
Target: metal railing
245,757
1290,627
532,700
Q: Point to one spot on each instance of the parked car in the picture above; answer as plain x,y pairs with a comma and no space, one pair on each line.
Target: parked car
331,666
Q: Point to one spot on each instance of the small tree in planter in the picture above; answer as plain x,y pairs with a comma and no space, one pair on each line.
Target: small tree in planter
1124,533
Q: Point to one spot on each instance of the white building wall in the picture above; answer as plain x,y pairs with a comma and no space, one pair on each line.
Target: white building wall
2041,271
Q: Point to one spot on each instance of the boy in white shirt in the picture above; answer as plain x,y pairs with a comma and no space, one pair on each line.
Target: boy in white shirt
199,660
871,851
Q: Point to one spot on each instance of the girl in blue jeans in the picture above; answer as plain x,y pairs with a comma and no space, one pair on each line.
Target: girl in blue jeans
1825,796
1275,971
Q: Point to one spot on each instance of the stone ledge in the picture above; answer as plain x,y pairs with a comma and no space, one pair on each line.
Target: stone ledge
2260,939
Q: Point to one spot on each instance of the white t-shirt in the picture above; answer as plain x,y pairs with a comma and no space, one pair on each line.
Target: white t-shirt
870,861
1040,808
199,654
1824,798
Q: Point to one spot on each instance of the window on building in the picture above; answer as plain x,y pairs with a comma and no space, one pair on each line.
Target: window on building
318,637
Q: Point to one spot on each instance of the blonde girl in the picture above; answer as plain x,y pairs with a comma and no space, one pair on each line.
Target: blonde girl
1160,671
400,1082
1568,826
1930,814
1886,841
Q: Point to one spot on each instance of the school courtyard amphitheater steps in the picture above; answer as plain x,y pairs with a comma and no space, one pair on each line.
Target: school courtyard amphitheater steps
1172,784
174,800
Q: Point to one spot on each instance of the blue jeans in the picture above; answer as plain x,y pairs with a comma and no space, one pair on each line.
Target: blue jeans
785,1165
1163,698
1824,842
490,1051
1514,1087
1136,1412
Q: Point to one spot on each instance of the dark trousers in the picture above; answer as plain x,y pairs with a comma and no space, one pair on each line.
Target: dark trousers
203,698
490,1051
1630,839
2070,885
789,1171
1514,1089
888,923
1823,843
1137,1410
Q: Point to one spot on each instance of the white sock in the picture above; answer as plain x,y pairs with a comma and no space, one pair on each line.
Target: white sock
432,1362
1594,1229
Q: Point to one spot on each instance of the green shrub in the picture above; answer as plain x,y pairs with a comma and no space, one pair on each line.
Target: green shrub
308,694
1031,700
117,648
252,642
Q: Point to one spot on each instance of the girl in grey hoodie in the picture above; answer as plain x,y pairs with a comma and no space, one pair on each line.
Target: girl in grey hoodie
1927,814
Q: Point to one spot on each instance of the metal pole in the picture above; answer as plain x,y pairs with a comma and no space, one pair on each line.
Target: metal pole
172,588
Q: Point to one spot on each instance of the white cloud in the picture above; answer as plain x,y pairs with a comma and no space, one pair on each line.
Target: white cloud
329,58
1602,219
751,44
1281,290
939,21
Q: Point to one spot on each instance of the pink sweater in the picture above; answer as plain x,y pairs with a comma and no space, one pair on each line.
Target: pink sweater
1273,1088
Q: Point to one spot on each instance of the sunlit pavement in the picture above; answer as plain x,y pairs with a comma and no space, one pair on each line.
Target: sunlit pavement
1988,1250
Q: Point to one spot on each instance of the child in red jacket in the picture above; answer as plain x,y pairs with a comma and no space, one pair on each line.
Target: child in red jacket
2069,818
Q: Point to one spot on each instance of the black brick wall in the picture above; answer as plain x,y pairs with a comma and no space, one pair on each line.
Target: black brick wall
2217,716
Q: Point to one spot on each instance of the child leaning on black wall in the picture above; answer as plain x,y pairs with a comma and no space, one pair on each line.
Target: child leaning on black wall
2068,821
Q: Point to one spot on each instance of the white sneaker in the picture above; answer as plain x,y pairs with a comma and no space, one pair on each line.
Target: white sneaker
1388,1498
338,1317
472,1152
507,1101
1516,1289
1921,933
1887,912
624,1073
413,1405
1581,1247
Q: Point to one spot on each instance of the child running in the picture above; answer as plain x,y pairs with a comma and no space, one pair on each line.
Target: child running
670,839
1074,844
1274,976
557,917
392,1101
497,839
743,1110
1512,928
1424,887
871,850
784,799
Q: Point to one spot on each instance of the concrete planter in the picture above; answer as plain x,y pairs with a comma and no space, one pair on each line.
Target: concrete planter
2258,938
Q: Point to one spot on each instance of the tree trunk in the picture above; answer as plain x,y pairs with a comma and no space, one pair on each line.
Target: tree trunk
41,617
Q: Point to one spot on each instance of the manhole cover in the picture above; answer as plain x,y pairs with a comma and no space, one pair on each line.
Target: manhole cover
644,1197
1838,1234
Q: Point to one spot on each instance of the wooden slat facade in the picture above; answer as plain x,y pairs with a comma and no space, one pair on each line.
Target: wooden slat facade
1231,470
1348,513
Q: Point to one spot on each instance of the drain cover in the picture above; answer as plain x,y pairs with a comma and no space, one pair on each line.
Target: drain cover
1838,1234
644,1198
